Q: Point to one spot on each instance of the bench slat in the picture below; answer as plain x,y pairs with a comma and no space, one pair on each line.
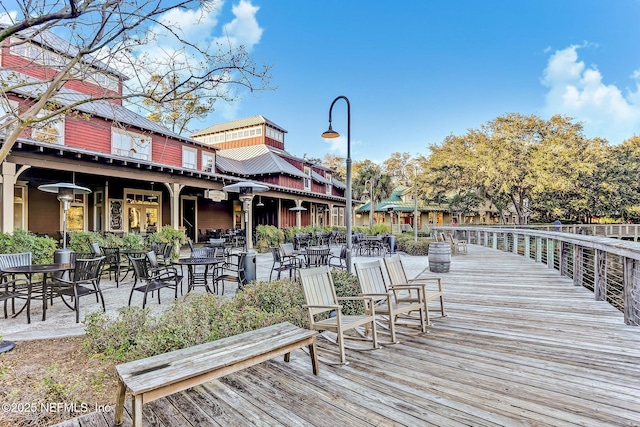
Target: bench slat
143,375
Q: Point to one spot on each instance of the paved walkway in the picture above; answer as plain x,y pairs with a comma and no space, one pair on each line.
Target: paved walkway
61,321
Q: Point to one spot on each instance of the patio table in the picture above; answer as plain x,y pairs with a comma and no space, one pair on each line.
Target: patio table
197,277
28,271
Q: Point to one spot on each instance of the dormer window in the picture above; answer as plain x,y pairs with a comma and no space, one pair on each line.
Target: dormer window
189,158
328,186
307,181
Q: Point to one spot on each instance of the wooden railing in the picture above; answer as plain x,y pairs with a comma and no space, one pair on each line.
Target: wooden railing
609,267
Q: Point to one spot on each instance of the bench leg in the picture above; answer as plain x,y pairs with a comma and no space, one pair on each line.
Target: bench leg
314,357
287,357
136,410
120,403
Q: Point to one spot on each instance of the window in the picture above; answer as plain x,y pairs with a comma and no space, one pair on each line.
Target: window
275,134
307,181
328,186
8,108
51,131
208,162
130,144
19,207
51,59
76,214
189,158
239,134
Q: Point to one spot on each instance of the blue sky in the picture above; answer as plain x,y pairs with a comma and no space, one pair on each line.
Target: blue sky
416,71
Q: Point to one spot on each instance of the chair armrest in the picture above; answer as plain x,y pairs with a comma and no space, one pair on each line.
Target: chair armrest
334,307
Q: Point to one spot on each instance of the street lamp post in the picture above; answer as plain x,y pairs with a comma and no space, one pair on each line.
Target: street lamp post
330,133
372,206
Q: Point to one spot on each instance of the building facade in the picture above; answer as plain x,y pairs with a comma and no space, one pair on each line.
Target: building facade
141,174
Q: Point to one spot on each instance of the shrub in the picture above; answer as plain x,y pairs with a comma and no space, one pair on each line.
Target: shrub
421,247
381,228
268,235
347,285
41,248
79,240
196,319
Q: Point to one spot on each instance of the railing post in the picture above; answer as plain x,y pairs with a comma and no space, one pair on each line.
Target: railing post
485,239
515,243
550,252
631,292
538,249
578,263
600,275
527,246
495,240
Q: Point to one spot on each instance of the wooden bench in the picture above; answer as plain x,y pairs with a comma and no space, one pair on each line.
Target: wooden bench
158,376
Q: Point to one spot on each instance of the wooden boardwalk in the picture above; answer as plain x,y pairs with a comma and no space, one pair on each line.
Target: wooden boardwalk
520,346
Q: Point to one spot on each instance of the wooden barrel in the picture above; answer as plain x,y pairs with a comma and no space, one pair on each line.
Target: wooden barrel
439,257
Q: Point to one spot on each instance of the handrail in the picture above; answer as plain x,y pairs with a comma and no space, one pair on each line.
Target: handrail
607,266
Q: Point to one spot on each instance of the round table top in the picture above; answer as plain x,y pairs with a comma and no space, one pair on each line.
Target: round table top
38,268
197,261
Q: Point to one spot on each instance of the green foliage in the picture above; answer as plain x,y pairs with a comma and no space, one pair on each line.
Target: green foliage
135,333
381,228
421,247
268,235
168,234
131,241
42,248
111,240
79,241
347,285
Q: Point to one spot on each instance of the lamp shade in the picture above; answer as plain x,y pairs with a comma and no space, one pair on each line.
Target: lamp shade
245,187
65,190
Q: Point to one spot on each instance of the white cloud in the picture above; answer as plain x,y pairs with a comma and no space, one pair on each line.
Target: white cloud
244,29
578,91
8,18
337,145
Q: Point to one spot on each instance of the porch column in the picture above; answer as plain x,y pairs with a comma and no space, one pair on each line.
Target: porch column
174,203
331,224
8,180
298,215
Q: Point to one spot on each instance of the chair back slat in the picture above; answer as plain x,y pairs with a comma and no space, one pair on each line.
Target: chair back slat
140,267
371,278
397,273
317,256
87,269
287,249
318,287
15,260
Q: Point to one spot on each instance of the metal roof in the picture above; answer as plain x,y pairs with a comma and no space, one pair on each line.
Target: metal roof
255,160
97,107
57,44
237,124
318,178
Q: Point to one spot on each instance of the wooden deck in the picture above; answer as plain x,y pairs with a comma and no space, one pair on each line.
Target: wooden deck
520,346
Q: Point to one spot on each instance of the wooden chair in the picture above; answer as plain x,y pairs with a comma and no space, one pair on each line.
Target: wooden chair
385,301
398,276
321,301
84,280
457,246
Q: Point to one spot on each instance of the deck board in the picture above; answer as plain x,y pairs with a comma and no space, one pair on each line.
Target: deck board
521,345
